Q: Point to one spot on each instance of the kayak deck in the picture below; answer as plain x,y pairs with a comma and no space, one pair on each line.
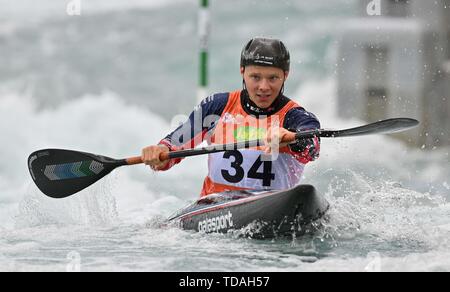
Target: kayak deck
260,214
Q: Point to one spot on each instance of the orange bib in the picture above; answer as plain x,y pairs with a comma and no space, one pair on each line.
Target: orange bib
250,168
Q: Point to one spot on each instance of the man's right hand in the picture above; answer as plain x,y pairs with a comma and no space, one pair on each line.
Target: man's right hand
150,156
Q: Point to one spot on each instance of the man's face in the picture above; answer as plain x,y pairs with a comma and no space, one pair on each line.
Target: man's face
263,83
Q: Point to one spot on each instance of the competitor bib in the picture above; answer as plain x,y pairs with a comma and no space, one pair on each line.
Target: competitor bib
247,169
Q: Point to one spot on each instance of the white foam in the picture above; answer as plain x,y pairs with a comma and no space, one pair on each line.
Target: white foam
368,205
103,125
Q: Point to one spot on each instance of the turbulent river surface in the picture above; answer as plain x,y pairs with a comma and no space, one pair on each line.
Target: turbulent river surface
109,82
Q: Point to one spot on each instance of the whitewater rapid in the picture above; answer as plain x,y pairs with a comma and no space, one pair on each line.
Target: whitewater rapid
69,86
381,203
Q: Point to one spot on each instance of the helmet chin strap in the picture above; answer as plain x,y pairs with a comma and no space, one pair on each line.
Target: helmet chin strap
281,90
243,81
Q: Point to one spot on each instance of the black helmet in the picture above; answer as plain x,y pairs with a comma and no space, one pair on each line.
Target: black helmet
265,52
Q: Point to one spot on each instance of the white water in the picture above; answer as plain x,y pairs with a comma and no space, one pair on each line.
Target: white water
390,204
114,224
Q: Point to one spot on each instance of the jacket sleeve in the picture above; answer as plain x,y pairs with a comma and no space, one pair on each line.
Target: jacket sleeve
298,119
193,131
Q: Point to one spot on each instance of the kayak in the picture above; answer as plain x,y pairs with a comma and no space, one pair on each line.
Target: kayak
257,214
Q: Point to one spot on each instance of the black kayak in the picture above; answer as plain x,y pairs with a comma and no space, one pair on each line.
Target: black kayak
258,214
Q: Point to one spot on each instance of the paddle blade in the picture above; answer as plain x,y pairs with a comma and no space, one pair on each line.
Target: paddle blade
388,126
61,173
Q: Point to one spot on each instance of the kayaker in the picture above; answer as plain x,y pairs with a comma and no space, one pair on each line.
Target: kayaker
259,110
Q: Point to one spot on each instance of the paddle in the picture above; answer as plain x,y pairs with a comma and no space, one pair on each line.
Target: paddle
60,173
388,126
